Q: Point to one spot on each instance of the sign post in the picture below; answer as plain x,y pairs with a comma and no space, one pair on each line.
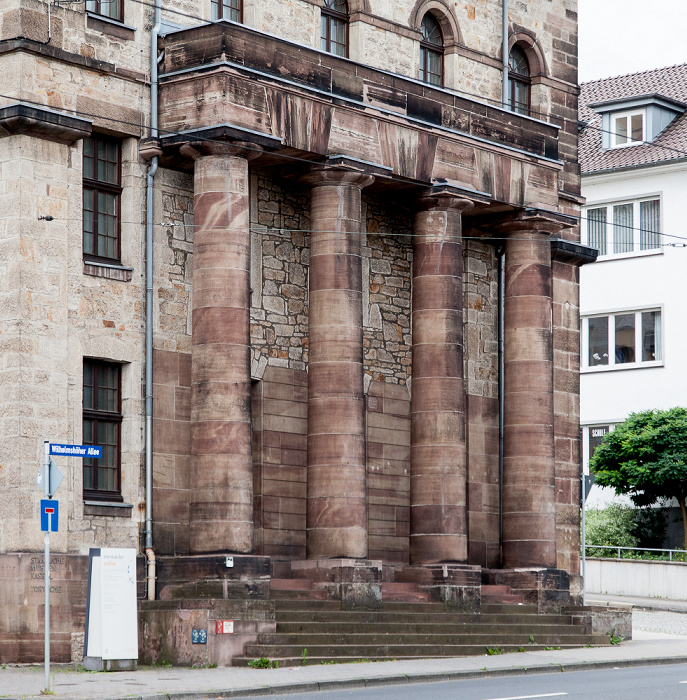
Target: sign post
46,564
49,478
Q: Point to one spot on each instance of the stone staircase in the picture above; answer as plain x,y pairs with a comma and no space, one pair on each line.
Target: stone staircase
315,631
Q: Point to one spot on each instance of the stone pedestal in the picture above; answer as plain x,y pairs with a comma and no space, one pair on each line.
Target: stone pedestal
548,589
357,583
529,503
221,509
438,523
336,509
458,586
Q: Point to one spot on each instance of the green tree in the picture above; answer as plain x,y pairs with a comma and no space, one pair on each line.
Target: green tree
613,525
646,458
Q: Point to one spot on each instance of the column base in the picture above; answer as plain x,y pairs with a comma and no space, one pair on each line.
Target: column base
357,583
548,589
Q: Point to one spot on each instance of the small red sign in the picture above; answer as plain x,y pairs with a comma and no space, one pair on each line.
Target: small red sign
224,627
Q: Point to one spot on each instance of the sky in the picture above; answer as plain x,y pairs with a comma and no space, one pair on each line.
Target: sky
628,36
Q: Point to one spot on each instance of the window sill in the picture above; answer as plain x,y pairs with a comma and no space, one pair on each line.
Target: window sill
107,508
108,271
109,26
621,367
628,256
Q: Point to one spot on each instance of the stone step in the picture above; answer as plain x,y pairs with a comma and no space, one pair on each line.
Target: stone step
392,651
508,609
297,594
291,584
375,638
403,592
500,594
300,606
340,628
357,617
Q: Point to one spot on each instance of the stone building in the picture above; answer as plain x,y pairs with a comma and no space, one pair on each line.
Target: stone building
309,275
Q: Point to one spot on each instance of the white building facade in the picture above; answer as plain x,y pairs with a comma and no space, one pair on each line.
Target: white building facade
632,300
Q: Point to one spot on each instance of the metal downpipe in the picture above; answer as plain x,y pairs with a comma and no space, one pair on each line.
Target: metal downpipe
504,72
152,170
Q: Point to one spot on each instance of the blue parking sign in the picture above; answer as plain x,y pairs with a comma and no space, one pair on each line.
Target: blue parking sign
50,511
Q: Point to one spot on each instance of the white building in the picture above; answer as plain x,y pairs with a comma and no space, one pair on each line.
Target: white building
633,156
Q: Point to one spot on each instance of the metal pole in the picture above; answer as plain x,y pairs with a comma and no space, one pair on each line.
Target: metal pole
46,572
584,541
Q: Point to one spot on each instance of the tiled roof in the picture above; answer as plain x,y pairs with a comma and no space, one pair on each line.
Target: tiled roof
668,145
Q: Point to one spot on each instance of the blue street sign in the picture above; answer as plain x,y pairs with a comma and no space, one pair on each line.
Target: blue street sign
87,451
50,511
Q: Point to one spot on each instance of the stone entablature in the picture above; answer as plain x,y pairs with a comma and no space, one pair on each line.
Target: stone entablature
316,103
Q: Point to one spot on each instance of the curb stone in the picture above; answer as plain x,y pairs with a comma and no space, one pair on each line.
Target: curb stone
401,679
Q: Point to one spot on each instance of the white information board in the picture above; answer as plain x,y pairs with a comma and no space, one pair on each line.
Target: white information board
112,632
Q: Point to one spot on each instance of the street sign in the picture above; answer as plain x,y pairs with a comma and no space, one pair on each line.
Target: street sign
87,451
49,478
50,511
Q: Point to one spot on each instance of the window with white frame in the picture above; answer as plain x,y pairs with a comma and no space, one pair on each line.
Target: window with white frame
622,340
627,129
625,227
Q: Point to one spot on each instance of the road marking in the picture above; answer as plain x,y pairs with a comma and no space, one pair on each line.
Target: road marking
544,695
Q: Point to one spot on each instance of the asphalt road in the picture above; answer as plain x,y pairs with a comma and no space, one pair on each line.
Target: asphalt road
635,683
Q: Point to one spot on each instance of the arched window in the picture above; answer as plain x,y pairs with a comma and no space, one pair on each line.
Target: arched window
334,27
431,51
226,9
519,80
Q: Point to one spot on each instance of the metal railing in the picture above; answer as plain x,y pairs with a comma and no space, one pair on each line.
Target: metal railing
635,549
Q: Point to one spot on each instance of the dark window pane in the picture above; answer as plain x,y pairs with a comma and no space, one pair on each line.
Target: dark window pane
598,341
620,131
651,329
623,228
649,224
624,338
596,229
431,31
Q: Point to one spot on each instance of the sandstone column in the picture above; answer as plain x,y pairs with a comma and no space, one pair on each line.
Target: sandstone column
529,502
221,509
336,510
438,523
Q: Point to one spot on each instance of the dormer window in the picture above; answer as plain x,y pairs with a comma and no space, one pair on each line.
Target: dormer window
627,128
631,121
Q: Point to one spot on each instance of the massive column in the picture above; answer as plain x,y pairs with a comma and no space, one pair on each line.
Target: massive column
438,523
336,509
221,509
529,499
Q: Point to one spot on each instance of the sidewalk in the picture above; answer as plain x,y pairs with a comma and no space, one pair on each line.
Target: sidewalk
187,684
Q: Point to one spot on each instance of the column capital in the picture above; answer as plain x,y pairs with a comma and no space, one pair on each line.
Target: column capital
239,149
324,175
444,196
536,220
